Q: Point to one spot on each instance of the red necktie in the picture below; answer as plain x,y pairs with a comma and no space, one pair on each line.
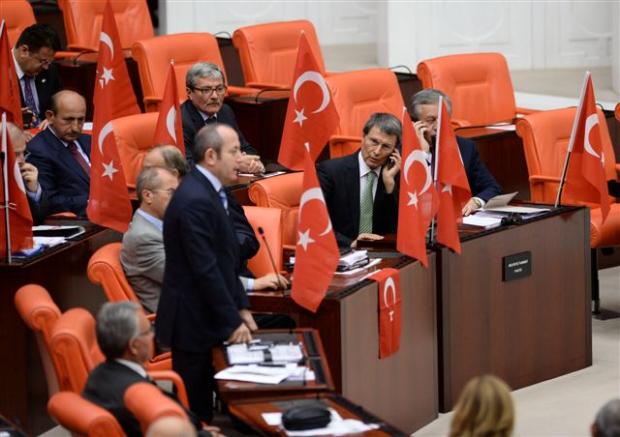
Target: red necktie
73,148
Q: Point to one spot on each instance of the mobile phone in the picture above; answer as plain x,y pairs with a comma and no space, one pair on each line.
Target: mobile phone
27,116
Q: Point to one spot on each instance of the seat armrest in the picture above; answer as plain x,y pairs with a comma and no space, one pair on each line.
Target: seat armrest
170,375
262,85
541,179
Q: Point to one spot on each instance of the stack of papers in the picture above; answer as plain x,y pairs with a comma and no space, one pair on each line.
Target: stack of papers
257,353
483,219
352,260
337,425
266,374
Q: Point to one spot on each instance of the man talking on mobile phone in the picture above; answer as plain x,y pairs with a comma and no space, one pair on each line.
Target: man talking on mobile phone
361,189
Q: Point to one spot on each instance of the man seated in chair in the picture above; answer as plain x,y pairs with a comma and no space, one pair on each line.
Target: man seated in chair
125,336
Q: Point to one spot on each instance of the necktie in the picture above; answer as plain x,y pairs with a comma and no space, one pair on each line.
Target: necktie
367,203
223,199
29,100
210,120
79,158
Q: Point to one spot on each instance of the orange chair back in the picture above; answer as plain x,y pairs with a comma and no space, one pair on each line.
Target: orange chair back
40,313
281,192
270,219
83,19
82,417
478,84
268,52
17,15
617,112
357,95
153,56
134,138
147,403
105,269
74,346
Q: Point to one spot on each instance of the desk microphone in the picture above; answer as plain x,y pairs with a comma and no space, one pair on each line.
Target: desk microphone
273,263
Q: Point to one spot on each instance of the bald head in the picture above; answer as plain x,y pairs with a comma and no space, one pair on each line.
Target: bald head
167,156
67,114
18,140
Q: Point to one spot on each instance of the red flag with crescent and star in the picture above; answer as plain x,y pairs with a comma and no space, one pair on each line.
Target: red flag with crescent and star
585,179
10,101
389,310
452,184
311,117
418,198
108,203
169,128
316,253
20,219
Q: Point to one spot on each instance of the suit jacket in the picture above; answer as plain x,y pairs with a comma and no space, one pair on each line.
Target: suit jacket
106,386
340,182
248,243
193,122
143,259
47,83
62,179
481,182
201,295
38,210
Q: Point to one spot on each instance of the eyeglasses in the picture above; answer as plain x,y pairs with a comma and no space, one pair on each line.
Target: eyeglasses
170,191
207,91
42,61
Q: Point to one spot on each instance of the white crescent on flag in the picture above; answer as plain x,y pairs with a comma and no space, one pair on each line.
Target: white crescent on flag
418,156
313,76
389,284
170,119
591,121
314,194
107,129
105,38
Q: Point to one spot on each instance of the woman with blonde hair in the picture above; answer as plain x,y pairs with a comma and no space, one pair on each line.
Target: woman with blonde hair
484,409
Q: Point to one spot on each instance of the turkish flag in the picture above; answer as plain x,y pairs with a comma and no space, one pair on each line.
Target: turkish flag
452,182
389,310
10,101
418,198
108,203
311,117
20,219
585,179
169,129
316,253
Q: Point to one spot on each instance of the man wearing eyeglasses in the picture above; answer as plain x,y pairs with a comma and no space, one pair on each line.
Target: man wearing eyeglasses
38,78
205,105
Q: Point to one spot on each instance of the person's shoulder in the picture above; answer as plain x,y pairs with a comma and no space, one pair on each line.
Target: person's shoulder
337,164
465,143
41,142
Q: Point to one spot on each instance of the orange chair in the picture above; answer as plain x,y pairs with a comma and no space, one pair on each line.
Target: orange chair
82,417
281,192
134,138
268,52
617,112
148,404
479,85
270,219
357,95
40,313
17,15
154,54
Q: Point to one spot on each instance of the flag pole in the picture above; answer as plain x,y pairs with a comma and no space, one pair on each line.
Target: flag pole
436,156
571,141
5,183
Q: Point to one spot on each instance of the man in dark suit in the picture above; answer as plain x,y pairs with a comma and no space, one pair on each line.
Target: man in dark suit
481,182
39,78
205,104
202,302
125,336
62,154
361,190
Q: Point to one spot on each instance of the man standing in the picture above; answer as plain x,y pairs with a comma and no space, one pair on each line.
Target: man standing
39,78
203,302
482,183
361,190
205,105
62,154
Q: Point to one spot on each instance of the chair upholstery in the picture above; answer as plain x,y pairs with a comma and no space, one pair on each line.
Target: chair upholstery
545,137
17,14
134,138
147,403
83,19
617,112
357,95
268,52
40,313
479,85
82,417
281,192
270,219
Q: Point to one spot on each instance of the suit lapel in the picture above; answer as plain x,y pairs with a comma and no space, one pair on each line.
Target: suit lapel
352,180
64,156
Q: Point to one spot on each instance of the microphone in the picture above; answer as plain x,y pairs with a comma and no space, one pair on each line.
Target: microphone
261,231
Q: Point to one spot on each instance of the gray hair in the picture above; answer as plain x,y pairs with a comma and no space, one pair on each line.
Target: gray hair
607,419
149,179
173,158
387,123
117,325
429,96
203,70
207,138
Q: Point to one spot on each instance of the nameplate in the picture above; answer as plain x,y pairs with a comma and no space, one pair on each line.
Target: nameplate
517,266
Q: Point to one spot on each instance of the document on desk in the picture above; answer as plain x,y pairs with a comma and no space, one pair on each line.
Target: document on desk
266,374
483,219
65,231
255,354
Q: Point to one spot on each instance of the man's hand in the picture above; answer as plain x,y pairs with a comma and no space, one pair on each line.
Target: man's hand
240,335
390,170
27,135
366,237
421,129
247,318
251,164
30,175
213,430
270,281
471,206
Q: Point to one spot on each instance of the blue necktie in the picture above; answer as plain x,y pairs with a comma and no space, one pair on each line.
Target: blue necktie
223,199
29,100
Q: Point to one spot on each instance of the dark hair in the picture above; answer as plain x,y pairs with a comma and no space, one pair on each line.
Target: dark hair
117,325
38,36
387,123
607,421
207,138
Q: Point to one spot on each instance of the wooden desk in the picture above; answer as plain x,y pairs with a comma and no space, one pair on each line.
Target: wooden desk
402,388
251,412
62,271
526,330
314,359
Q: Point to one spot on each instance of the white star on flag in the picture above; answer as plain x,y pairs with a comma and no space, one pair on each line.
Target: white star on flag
413,199
447,189
109,170
106,77
300,117
305,239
